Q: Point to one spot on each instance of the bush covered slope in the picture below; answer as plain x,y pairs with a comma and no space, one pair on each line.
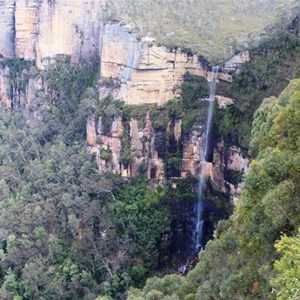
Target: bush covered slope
238,264
212,28
66,232
274,62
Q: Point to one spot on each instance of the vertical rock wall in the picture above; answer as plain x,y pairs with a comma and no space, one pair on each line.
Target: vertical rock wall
144,72
69,27
41,29
133,69
26,28
144,152
7,25
143,157
141,71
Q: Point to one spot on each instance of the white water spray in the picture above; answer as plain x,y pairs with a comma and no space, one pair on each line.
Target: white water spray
202,179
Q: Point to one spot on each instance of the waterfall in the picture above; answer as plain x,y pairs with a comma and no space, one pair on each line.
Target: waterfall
202,177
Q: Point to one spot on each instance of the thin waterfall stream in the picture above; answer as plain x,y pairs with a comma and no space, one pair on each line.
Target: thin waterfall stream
198,231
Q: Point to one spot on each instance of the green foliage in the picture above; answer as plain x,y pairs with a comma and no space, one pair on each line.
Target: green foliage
162,115
287,271
108,109
233,176
173,165
67,83
189,109
105,154
213,29
63,236
135,112
194,89
273,64
142,219
238,263
19,72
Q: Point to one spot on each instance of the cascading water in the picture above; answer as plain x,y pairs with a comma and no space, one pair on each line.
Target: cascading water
202,177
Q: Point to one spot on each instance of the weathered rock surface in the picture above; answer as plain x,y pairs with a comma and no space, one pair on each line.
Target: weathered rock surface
144,158
237,60
236,160
7,25
191,157
19,92
26,28
133,69
41,29
4,86
223,102
145,72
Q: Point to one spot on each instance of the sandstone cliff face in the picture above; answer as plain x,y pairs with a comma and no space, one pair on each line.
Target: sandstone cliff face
26,28
144,154
145,72
69,27
142,157
7,40
39,29
4,87
17,88
135,70
42,29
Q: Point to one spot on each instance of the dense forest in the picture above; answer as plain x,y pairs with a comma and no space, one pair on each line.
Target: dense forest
69,231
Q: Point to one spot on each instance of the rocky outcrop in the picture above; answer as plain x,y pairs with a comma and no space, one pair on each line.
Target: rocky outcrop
192,153
237,60
223,160
236,160
223,102
7,25
17,88
129,158
134,152
26,28
69,27
143,72
4,87
133,69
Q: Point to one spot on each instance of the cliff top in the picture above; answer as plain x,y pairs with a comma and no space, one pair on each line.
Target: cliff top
212,28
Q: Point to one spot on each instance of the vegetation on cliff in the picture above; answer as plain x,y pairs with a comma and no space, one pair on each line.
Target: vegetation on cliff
239,263
212,29
273,64
255,253
67,232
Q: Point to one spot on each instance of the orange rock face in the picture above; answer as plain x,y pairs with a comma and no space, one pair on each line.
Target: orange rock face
91,135
147,73
42,29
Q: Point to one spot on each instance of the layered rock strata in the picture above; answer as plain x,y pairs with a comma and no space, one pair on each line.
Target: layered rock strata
142,71
144,157
133,69
41,29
